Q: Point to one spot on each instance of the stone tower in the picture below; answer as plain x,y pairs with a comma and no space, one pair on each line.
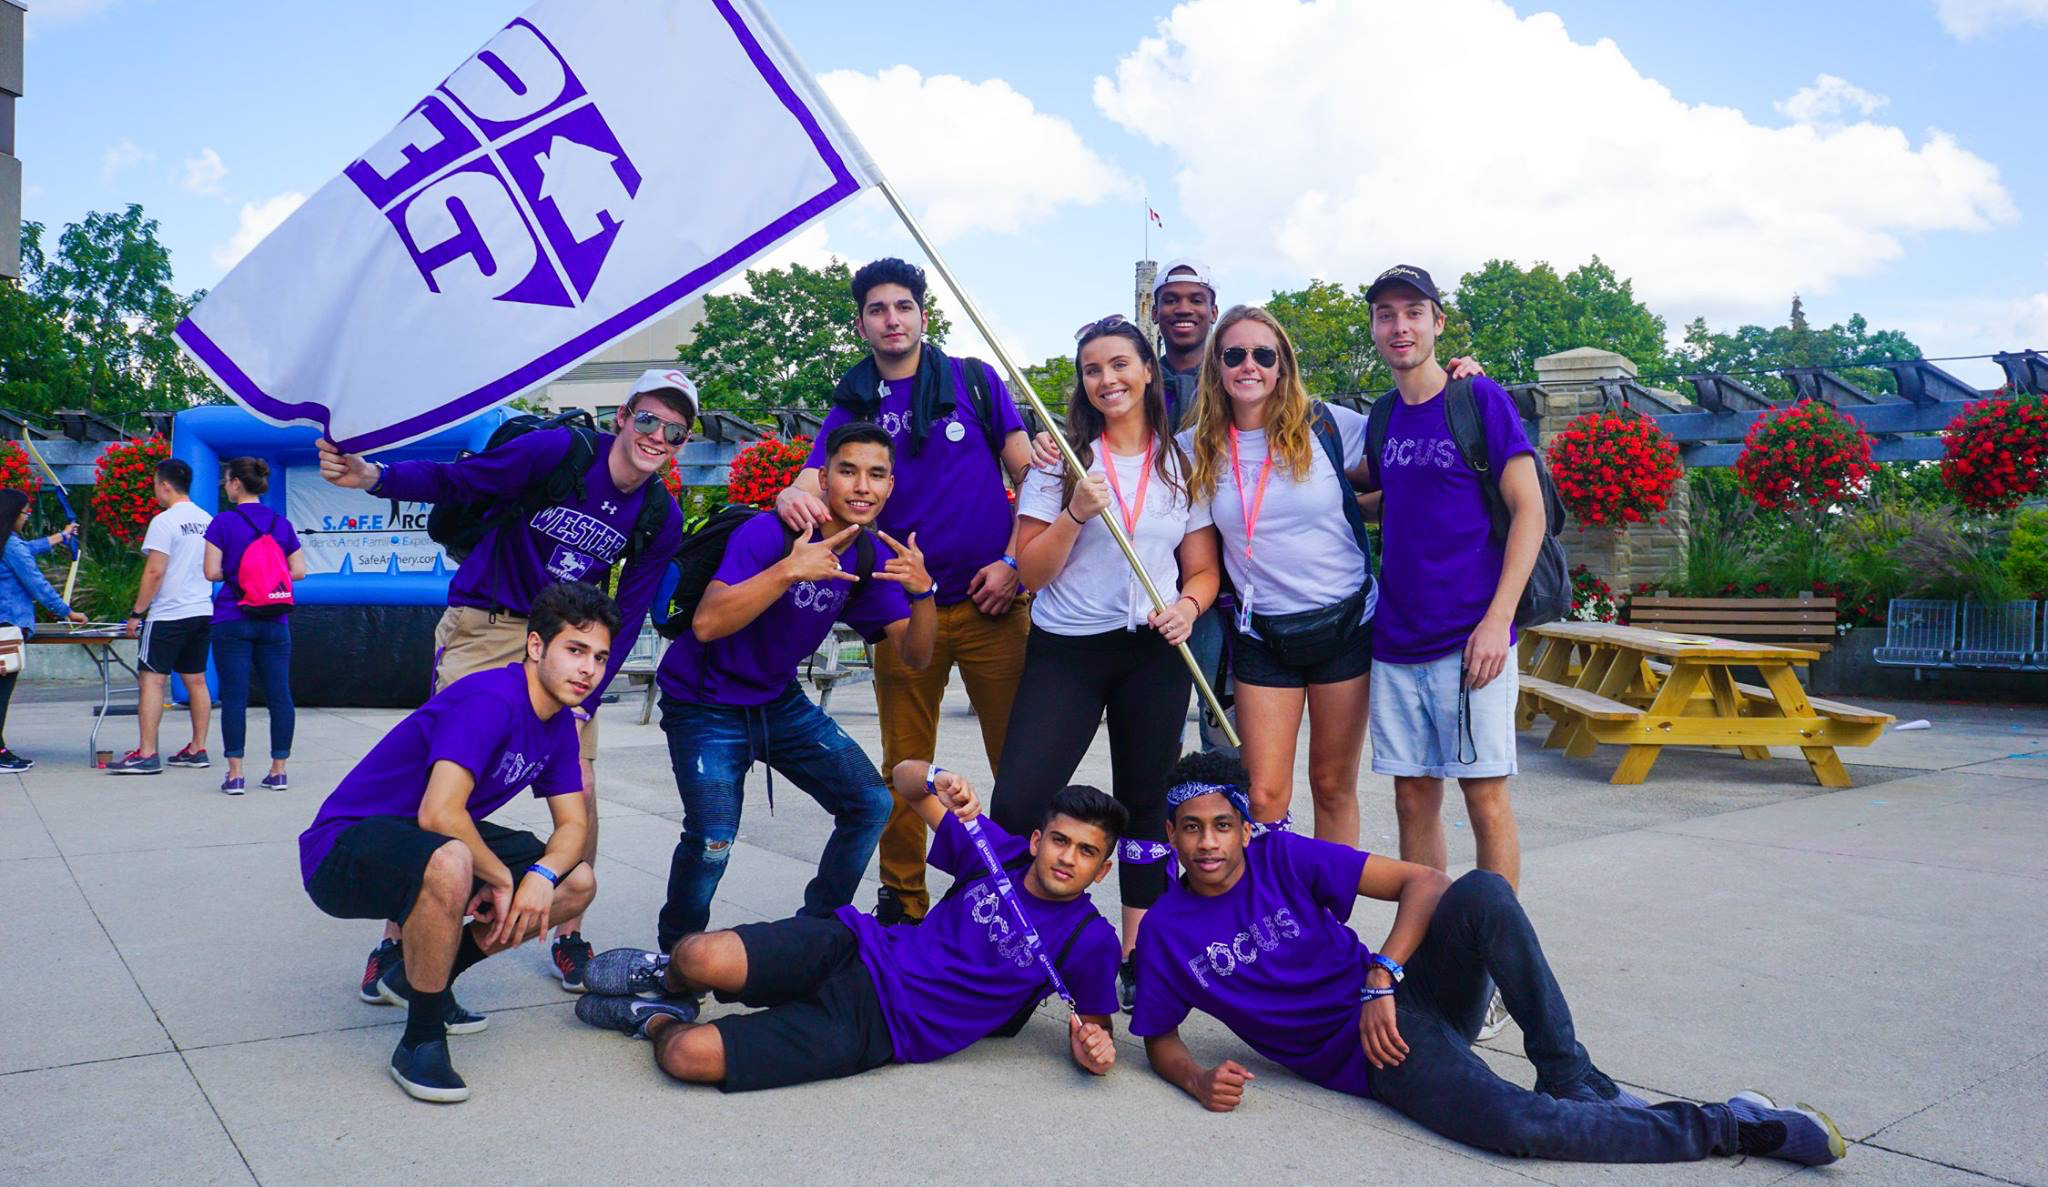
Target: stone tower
1141,299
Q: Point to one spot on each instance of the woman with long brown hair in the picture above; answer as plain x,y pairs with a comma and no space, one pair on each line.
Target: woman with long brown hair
1270,465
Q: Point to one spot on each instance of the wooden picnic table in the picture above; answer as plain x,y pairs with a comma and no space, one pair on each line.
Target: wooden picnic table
97,639
1648,689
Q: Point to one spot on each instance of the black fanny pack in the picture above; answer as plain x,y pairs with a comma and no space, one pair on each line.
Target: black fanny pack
1310,636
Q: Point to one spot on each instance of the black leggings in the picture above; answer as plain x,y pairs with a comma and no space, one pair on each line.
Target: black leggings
6,695
1068,683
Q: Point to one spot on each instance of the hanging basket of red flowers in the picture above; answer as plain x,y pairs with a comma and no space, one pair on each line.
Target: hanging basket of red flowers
1613,469
763,469
124,493
1994,455
16,471
1802,457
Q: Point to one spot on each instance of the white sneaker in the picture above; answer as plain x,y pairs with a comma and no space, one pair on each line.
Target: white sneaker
1497,1018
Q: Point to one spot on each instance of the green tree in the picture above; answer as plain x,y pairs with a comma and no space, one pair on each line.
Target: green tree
784,342
1331,328
1053,380
1518,316
91,326
1797,344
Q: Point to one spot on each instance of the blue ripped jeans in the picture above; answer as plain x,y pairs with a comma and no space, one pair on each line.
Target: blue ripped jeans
711,746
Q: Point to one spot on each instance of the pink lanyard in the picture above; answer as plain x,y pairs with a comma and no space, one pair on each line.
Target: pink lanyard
1258,499
1129,513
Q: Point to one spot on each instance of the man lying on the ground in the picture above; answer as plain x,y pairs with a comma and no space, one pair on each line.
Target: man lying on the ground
404,836
1254,934
845,994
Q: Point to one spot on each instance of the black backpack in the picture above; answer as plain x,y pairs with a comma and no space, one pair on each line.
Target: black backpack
697,561
459,525
1548,595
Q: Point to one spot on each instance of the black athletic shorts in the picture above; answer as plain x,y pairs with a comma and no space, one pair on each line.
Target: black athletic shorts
376,866
175,646
821,1019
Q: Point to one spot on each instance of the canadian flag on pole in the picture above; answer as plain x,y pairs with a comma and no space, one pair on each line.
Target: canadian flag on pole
591,167
1155,218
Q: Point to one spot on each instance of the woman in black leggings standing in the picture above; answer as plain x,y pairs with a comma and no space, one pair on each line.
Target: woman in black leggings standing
1097,646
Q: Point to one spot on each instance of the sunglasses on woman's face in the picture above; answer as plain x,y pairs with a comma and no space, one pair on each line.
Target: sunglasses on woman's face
1264,356
646,424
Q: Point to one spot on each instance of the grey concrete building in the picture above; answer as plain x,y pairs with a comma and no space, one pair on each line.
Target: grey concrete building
11,14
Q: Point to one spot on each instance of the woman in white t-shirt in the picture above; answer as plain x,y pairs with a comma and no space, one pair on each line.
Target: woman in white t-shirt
1298,564
1097,646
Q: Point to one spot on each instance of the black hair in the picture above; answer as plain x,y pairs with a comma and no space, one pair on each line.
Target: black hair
1085,423
252,472
858,432
1207,766
571,603
176,472
1090,805
888,270
11,503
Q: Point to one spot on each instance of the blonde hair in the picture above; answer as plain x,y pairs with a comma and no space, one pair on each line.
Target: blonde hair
1287,418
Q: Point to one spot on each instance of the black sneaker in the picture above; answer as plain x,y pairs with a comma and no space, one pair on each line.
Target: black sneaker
10,761
426,1074
890,911
188,757
630,1015
393,991
1127,983
572,956
624,972
381,958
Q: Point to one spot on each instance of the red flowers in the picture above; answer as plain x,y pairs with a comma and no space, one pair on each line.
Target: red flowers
763,469
1613,469
15,471
1993,455
123,494
1806,456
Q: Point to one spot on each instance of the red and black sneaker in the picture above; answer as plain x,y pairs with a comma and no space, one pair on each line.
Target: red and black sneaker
572,957
380,963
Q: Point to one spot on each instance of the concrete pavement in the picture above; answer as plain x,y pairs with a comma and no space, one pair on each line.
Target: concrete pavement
177,1012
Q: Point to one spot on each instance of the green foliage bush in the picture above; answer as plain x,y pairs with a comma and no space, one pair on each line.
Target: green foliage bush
2026,555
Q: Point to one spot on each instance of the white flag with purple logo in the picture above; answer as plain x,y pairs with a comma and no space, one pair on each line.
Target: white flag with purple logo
598,163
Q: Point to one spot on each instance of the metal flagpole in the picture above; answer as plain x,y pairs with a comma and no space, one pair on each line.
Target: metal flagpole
854,148
78,542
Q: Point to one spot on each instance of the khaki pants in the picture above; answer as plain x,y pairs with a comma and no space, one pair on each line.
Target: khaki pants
469,640
990,653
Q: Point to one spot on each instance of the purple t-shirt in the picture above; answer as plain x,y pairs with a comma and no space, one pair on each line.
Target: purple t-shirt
578,540
754,665
953,979
1439,564
232,531
1270,958
952,495
485,723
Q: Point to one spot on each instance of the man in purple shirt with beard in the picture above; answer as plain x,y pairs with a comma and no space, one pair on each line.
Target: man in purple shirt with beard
1256,935
952,453
403,836
604,521
846,994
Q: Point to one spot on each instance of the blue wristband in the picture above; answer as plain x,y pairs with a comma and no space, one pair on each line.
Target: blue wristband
1377,960
553,878
1009,560
1371,994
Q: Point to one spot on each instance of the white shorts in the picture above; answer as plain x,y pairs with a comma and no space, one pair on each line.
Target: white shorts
1416,728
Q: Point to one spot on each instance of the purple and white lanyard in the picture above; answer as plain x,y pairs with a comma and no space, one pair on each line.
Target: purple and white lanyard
1007,891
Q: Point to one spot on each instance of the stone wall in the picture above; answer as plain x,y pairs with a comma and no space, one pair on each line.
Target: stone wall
1622,557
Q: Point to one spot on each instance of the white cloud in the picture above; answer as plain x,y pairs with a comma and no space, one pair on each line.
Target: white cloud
124,154
806,247
1827,100
203,174
1966,19
973,156
257,220
1303,149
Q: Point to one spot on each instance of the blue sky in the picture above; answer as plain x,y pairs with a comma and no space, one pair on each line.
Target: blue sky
1278,140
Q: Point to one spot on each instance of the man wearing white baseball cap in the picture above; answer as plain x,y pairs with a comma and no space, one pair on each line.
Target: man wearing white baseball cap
1184,307
549,500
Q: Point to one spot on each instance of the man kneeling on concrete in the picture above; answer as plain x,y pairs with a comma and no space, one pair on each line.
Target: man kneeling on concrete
844,994
404,836
1255,935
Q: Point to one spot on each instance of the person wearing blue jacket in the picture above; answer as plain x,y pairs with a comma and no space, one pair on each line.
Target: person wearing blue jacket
22,587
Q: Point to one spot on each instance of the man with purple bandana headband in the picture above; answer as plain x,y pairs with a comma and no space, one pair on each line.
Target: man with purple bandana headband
1256,935
618,512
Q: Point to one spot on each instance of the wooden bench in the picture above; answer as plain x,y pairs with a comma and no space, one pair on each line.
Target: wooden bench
1805,622
1566,706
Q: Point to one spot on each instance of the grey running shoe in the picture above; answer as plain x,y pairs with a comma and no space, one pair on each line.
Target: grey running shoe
133,763
188,757
622,972
630,1015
